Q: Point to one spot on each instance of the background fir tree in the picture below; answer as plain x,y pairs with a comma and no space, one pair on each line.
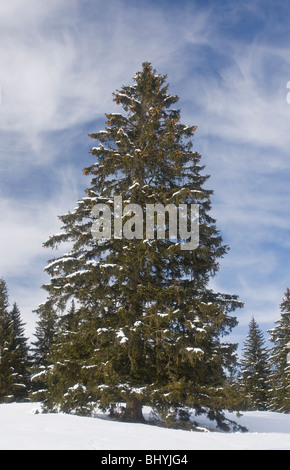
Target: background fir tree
14,352
255,369
45,333
280,375
69,354
21,355
6,381
153,327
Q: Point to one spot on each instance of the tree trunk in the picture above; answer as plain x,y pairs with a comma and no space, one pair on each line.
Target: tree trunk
133,412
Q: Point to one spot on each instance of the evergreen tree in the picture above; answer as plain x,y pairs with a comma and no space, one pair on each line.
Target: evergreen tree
21,360
254,381
14,352
280,375
45,334
149,329
6,381
69,355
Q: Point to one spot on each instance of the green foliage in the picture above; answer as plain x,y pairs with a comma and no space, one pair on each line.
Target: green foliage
147,329
254,380
280,374
45,334
14,357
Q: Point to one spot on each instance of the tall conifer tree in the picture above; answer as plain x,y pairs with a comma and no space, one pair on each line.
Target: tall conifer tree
149,329
280,375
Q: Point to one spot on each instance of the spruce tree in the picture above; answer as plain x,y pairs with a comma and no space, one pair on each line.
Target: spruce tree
254,380
21,358
14,352
280,374
45,333
6,381
149,328
70,356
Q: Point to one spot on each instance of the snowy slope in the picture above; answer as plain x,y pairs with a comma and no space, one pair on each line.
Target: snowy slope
22,429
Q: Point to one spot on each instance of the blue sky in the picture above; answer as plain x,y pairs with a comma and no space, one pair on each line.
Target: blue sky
229,63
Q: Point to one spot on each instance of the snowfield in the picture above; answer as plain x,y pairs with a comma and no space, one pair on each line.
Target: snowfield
23,428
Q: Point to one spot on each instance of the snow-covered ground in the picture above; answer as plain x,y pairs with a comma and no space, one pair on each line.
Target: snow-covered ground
23,429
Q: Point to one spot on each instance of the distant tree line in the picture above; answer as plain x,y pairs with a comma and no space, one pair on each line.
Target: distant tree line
260,381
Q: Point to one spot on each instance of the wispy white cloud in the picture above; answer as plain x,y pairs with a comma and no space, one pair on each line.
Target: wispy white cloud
243,120
25,225
59,68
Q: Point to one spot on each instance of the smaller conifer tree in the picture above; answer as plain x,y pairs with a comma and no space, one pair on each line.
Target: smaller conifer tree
280,374
255,370
45,333
14,352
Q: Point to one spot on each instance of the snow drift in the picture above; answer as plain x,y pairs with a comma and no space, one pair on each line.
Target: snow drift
24,427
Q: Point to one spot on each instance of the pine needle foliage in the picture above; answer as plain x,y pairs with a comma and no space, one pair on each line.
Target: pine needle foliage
254,380
14,352
280,374
148,329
